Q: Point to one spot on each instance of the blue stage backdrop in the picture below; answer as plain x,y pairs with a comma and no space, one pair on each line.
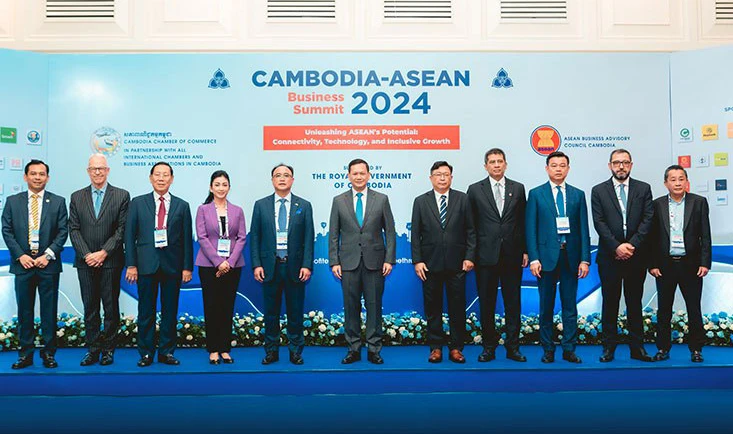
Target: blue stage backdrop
245,113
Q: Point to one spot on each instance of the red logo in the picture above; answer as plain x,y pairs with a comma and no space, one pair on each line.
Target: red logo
685,161
545,140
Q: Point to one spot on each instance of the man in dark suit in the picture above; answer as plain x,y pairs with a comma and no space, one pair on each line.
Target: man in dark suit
281,246
681,254
97,216
443,245
158,253
34,229
498,205
361,251
622,215
558,245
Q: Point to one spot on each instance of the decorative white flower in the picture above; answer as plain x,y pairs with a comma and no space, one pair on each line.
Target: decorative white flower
311,314
240,322
2,336
322,328
257,329
415,321
559,326
477,339
187,325
60,333
391,333
189,338
234,343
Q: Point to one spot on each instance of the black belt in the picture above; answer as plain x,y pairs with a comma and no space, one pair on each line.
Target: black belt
280,260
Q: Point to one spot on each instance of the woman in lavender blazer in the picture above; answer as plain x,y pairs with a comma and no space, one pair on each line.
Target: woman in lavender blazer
221,233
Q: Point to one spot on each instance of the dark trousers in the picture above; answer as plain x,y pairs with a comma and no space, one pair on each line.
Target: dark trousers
631,276
100,285
455,291
487,285
369,284
294,298
147,291
684,274
25,295
219,294
547,286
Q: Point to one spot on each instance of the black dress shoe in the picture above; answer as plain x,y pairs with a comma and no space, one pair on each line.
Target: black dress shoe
296,359
351,357
108,357
270,357
168,359
607,356
23,362
548,357
226,360
642,355
516,356
89,359
375,358
214,361
49,361
487,355
144,361
571,357
696,356
661,355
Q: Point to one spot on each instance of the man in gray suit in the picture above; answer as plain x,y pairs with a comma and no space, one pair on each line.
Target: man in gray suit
97,215
361,252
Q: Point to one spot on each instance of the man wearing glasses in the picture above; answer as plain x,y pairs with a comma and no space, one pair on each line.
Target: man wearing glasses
97,215
622,215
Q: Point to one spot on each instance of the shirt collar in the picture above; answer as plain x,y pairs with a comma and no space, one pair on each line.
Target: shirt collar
166,196
672,201
288,198
354,192
103,189
502,181
553,185
40,194
616,183
437,195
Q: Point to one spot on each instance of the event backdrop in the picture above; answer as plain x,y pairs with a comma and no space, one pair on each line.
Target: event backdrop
245,113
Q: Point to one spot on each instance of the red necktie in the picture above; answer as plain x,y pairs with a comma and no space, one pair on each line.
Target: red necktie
161,214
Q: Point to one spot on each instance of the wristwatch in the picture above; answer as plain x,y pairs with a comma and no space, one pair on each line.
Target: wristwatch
49,257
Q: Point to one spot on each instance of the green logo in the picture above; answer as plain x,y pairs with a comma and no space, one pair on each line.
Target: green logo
8,135
684,133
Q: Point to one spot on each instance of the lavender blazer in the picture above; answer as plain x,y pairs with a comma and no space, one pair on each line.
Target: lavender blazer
207,231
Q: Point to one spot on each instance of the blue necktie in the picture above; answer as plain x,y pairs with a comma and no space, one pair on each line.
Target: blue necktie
443,210
282,217
97,202
622,193
359,209
560,201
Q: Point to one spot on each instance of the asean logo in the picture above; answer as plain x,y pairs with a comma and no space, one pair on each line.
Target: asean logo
106,141
545,140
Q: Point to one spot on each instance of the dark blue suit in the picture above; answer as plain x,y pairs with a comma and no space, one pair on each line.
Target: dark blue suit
158,267
559,262
281,276
52,235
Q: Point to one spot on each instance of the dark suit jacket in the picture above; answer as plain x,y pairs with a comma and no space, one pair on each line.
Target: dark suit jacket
106,232
52,230
543,243
442,249
609,223
498,234
374,242
698,242
301,235
140,248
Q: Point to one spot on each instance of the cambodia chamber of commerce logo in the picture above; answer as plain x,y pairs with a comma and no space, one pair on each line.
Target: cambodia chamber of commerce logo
502,80
106,141
219,81
545,140
33,137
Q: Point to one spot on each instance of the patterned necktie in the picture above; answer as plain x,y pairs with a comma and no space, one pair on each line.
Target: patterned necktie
282,216
499,198
443,210
161,214
359,209
34,216
97,202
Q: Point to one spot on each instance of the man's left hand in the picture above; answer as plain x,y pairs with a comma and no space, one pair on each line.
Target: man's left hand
186,276
582,270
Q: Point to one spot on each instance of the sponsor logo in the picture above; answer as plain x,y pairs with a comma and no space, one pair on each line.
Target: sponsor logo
502,80
730,130
545,140
702,161
684,161
8,135
685,135
106,141
710,132
33,137
721,184
219,80
721,158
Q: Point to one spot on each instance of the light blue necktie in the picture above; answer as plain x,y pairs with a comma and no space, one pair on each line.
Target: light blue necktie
443,210
282,224
97,202
560,201
359,209
622,193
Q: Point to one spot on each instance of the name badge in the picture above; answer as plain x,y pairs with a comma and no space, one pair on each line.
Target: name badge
282,240
35,239
223,246
161,238
563,225
678,242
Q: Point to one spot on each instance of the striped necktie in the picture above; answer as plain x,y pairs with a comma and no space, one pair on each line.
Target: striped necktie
33,226
443,210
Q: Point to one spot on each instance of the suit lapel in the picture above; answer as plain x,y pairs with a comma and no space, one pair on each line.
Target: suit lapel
612,194
433,206
689,204
369,207
486,188
24,215
172,210
452,197
150,202
106,198
294,207
348,200
665,215
547,193
270,211
44,211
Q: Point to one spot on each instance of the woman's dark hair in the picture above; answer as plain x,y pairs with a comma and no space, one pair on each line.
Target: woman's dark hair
217,174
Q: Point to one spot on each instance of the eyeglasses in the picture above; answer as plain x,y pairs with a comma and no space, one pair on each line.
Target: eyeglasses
97,169
441,175
282,175
617,163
